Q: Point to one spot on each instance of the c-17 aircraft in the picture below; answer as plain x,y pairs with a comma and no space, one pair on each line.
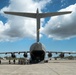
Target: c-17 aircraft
37,50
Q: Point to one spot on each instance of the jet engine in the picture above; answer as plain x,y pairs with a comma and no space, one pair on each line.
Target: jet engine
61,55
25,55
13,55
37,52
49,54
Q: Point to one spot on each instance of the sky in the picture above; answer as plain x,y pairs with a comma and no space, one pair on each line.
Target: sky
57,33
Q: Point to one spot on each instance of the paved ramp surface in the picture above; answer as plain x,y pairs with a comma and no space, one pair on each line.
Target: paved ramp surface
54,67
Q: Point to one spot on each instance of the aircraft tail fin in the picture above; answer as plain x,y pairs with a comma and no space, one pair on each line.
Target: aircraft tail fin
37,15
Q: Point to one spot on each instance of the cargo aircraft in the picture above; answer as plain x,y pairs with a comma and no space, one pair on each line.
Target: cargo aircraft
37,50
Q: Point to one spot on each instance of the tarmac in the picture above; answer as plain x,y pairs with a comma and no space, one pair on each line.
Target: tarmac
53,67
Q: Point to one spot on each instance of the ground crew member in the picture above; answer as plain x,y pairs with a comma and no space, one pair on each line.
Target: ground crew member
9,61
0,61
14,61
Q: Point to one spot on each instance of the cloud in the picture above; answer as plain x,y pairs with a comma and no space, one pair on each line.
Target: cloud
20,27
62,27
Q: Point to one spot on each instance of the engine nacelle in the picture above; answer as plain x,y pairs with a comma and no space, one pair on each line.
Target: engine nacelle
25,55
61,55
49,54
13,55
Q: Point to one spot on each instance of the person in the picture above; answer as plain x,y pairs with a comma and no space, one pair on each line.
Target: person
9,61
19,61
0,61
14,61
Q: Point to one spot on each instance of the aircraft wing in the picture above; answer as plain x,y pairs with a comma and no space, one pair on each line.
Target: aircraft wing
43,15
61,54
65,52
46,52
15,52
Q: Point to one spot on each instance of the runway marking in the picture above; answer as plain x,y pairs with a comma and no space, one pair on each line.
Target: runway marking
52,69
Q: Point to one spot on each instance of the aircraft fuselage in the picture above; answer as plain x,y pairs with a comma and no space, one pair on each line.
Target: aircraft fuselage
37,52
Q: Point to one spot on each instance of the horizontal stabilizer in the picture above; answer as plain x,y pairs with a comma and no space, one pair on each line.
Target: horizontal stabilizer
43,15
32,15
35,15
